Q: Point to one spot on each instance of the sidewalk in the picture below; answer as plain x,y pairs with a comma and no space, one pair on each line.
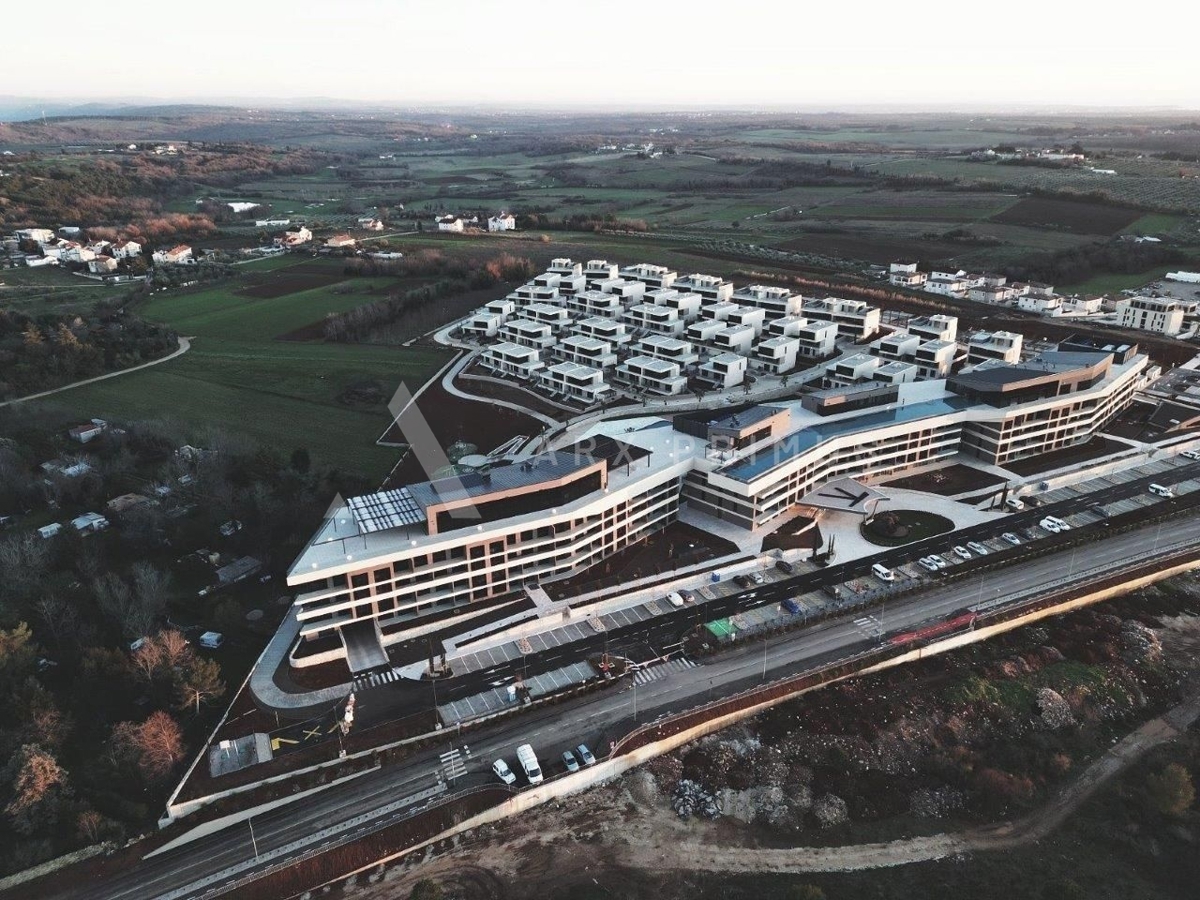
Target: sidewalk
843,528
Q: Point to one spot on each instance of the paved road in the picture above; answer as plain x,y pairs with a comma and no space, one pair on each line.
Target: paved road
595,718
185,344
400,699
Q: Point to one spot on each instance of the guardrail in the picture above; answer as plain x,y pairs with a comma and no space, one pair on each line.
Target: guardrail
221,882
1017,607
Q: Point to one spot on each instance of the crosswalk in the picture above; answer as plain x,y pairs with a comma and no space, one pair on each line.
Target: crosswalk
375,679
671,666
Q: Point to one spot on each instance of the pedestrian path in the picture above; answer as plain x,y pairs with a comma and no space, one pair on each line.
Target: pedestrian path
670,667
375,679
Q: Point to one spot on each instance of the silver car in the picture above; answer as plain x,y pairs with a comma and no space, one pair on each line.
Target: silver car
503,772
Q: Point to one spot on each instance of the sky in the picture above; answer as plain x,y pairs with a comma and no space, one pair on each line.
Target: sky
621,53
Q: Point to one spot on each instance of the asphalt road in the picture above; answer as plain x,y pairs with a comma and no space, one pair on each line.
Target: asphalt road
596,718
392,701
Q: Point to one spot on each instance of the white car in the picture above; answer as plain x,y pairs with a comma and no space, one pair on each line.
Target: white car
928,564
1011,538
962,552
977,548
1014,504
503,772
757,578
1192,454
675,598
1050,524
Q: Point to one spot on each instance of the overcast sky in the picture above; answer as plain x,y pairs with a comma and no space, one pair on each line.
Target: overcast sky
621,53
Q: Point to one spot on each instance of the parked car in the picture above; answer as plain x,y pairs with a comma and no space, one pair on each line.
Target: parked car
742,581
792,606
882,572
1014,504
688,596
1011,538
211,640
786,567
529,762
1191,454
757,578
939,561
570,761
675,598
962,552
928,564
503,772
977,548
1159,491
585,754
1050,524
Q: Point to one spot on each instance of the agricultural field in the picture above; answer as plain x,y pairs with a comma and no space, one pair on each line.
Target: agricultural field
51,289
1068,215
240,377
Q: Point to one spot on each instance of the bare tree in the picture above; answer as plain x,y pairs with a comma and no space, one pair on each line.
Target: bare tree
155,745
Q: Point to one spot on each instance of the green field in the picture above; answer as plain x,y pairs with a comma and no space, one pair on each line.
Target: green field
238,378
221,313
1115,283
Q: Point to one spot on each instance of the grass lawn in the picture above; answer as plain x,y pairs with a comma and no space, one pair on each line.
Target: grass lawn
1114,283
238,378
911,525
282,394
221,312
1154,224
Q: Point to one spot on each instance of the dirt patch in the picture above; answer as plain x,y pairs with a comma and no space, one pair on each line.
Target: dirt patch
454,419
1059,459
1075,216
675,547
512,394
794,534
947,481
291,283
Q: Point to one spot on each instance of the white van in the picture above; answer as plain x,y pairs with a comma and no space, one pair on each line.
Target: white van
1160,491
883,573
529,762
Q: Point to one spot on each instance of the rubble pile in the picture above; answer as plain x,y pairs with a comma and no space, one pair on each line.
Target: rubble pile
1055,711
1140,645
935,803
830,811
693,799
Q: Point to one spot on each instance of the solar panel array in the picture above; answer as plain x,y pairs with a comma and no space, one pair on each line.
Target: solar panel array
385,510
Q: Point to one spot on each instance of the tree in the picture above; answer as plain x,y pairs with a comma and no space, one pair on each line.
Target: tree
1171,792
161,656
18,654
37,783
426,889
1063,889
198,683
154,746
300,460
805,892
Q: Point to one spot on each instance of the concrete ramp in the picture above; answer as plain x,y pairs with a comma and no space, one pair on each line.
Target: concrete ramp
364,651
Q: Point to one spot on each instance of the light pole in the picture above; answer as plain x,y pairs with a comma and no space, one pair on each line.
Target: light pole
635,697
253,840
764,672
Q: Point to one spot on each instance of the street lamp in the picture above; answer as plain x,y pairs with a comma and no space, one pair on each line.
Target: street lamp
253,840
